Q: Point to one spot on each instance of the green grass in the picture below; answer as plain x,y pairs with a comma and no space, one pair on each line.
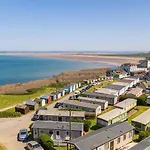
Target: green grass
60,148
102,84
10,100
140,110
2,147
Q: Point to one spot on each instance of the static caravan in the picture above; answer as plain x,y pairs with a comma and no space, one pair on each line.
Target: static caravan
142,122
107,91
58,131
112,99
88,107
127,104
130,82
126,85
148,100
102,103
135,92
47,98
121,88
113,137
60,115
134,79
113,116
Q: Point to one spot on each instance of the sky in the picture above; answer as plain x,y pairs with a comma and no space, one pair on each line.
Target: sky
74,25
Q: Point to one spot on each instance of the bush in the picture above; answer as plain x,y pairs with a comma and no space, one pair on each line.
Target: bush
46,142
141,100
6,114
143,135
89,115
87,125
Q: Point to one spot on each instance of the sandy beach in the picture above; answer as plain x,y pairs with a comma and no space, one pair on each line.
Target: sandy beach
115,60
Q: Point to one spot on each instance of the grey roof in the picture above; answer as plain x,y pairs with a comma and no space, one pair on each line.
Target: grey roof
55,112
30,102
116,87
126,103
92,99
38,100
121,83
81,104
143,118
99,137
98,94
143,145
33,142
111,114
126,81
78,126
22,106
107,91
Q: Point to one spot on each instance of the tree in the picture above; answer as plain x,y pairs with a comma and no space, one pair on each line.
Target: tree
141,100
46,142
87,125
143,135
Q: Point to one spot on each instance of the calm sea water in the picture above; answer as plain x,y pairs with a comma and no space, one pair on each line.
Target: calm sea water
16,69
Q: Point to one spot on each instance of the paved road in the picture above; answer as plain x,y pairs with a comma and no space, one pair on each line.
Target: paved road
9,128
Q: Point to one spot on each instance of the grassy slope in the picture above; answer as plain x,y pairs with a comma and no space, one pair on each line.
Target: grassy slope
10,100
141,109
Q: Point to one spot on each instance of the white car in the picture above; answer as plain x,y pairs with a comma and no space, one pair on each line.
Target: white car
33,145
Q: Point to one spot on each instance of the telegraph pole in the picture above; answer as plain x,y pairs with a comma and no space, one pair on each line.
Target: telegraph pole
70,125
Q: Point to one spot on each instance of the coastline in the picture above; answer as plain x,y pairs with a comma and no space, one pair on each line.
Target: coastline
67,75
114,60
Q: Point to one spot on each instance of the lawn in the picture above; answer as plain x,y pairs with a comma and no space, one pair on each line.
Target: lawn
2,148
140,110
60,148
10,100
102,84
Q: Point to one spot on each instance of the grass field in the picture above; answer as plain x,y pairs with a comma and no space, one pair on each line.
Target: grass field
2,148
102,84
10,100
140,110
61,148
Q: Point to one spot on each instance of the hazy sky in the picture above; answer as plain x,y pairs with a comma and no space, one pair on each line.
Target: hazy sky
75,25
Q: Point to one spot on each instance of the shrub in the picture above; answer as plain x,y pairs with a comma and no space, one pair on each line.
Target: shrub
141,100
87,125
46,142
6,114
143,135
89,115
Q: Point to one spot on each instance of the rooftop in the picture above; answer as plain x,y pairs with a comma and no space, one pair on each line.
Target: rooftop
143,118
143,145
98,94
121,83
92,99
55,112
30,102
22,106
126,103
101,136
57,125
115,87
107,91
44,97
126,81
135,91
81,104
111,114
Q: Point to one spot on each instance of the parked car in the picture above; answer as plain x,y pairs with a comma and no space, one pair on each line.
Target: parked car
33,145
23,135
77,92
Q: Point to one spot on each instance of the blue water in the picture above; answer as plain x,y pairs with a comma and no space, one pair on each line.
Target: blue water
16,69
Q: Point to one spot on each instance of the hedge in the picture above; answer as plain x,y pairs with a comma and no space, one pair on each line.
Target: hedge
6,114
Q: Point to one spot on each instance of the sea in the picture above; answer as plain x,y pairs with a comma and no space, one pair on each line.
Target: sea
21,69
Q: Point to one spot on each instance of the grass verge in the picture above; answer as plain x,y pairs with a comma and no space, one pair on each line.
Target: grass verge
140,110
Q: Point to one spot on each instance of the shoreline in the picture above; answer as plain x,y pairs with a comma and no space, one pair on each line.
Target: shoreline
113,60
